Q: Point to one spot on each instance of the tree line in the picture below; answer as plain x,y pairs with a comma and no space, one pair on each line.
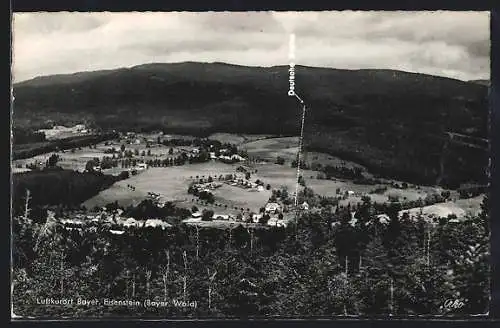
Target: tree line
312,269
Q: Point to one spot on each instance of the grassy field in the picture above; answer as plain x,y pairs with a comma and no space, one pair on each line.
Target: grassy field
69,160
461,208
172,184
117,192
329,188
270,149
235,196
224,224
238,139
277,175
324,159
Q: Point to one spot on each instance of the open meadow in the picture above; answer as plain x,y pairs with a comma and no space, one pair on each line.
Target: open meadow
235,196
69,160
271,148
460,208
238,139
172,185
311,157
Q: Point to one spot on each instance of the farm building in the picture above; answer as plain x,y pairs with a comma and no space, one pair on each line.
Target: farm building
335,224
275,222
256,217
157,223
282,223
196,215
272,222
272,207
383,218
72,221
131,222
221,216
237,158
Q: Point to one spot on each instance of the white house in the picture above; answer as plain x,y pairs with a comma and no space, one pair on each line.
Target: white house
256,217
196,215
142,166
282,223
237,158
72,221
117,232
383,218
131,222
272,207
260,188
221,217
335,224
273,222
305,206
157,223
79,127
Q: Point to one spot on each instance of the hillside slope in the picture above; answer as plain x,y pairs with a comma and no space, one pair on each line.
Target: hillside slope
394,122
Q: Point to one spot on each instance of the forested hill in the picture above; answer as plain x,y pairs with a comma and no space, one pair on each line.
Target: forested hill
386,119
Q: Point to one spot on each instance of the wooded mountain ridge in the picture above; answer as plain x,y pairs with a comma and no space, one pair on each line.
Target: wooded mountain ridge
394,122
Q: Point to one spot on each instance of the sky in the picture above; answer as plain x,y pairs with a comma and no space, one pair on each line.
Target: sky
449,44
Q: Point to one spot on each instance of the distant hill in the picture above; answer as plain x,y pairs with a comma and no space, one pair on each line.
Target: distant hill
394,122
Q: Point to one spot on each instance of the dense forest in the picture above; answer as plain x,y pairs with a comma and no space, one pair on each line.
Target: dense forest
393,122
55,186
24,136
313,269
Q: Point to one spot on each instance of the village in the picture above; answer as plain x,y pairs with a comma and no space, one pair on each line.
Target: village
219,182
116,222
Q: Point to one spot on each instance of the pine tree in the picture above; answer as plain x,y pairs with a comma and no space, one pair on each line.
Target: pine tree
374,277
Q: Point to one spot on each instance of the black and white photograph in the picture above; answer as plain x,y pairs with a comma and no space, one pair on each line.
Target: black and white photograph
222,165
